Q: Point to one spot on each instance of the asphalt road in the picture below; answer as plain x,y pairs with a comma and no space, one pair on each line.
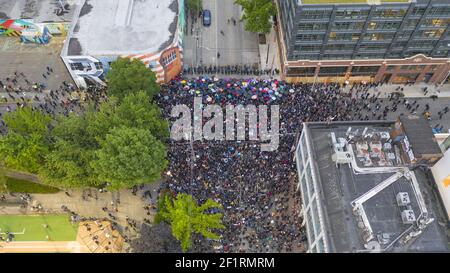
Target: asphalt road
235,46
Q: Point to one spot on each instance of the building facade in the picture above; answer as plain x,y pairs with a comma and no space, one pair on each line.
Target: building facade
100,35
360,194
369,40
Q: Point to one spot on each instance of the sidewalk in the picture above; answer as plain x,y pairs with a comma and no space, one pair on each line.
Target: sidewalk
269,52
411,91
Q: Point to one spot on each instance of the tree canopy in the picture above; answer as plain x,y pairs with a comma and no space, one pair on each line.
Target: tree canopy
134,111
130,76
187,217
129,156
68,164
27,141
119,143
256,14
194,6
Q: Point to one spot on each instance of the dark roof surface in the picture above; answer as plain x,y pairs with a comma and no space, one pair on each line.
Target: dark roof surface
420,135
340,185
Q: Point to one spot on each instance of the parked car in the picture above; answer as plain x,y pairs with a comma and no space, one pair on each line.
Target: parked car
206,17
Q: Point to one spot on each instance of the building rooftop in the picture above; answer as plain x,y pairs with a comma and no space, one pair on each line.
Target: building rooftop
359,199
420,135
369,2
38,10
121,27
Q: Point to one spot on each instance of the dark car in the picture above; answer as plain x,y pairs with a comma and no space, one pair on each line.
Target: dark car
206,17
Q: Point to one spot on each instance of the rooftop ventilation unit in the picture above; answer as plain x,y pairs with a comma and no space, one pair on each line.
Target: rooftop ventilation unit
408,217
403,199
385,135
342,157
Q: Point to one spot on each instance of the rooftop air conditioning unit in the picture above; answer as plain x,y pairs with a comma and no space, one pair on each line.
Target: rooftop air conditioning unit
342,157
403,199
408,217
385,135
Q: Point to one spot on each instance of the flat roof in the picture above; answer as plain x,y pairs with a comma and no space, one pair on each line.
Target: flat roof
40,11
121,27
369,2
420,135
340,186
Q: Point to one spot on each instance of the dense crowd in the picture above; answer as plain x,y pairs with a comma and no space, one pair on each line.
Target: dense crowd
258,189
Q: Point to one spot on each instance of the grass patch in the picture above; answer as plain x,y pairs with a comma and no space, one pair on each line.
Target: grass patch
24,186
59,227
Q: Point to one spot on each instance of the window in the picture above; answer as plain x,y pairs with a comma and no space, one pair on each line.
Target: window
378,36
365,70
168,59
310,227
404,35
390,68
439,11
312,27
443,23
315,14
309,48
374,46
384,25
333,70
348,26
316,224
339,47
412,67
418,11
411,23
422,44
343,36
433,34
389,13
352,14
99,66
301,71
310,37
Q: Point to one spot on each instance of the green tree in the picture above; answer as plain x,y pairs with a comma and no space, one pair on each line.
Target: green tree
135,111
256,14
194,6
186,217
68,164
27,141
128,157
129,76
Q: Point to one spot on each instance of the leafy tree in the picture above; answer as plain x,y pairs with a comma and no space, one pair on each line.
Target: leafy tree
135,111
194,6
128,157
155,239
256,14
68,164
27,141
129,76
186,217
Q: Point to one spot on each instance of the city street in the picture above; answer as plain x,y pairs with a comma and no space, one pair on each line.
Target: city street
235,45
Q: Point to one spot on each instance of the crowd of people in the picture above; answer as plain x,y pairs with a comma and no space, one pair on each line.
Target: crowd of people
18,91
258,189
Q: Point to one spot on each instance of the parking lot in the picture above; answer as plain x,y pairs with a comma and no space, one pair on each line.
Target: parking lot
32,60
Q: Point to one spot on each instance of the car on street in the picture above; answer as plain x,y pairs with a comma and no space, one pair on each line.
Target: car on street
206,17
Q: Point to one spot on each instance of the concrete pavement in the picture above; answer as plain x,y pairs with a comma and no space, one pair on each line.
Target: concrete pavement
236,46
32,60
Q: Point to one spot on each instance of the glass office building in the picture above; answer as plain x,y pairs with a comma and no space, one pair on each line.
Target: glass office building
395,41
